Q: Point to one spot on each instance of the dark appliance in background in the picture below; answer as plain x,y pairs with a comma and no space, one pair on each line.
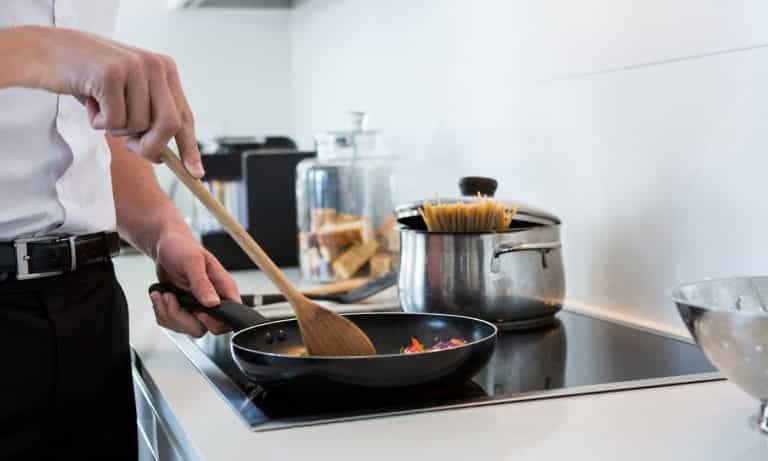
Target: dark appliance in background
240,144
265,178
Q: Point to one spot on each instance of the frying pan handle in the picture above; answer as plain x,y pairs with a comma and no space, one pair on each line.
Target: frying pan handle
236,315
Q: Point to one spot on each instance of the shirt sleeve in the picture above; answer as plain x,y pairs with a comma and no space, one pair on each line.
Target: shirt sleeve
96,16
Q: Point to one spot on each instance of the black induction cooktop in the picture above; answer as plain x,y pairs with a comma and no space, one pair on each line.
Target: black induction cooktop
573,355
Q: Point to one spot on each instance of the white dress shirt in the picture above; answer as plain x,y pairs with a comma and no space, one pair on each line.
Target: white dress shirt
55,177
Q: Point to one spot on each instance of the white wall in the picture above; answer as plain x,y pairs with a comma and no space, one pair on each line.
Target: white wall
438,78
233,63
640,123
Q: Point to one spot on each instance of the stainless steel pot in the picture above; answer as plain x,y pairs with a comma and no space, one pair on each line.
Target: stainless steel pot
511,276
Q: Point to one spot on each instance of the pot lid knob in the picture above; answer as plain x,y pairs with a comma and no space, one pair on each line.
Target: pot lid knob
471,185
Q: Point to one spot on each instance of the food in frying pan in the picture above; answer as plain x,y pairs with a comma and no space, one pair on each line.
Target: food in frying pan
483,214
417,347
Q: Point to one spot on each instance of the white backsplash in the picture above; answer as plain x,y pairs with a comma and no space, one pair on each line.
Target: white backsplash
640,123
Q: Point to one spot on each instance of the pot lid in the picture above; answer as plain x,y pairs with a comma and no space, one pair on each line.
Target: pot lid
408,213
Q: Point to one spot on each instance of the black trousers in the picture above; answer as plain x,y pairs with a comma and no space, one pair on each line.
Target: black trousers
65,370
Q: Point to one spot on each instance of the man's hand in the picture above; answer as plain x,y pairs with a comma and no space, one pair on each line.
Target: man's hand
182,261
128,91
148,219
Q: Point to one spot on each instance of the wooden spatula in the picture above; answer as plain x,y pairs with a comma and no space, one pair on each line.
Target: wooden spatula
324,332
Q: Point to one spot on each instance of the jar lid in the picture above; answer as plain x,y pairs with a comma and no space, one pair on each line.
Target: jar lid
359,141
408,213
348,143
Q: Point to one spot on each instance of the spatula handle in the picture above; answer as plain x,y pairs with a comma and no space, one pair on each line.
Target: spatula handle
230,224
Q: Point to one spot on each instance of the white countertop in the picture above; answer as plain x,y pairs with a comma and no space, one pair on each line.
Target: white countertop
707,421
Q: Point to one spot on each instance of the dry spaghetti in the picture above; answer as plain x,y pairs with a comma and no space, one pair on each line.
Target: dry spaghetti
482,214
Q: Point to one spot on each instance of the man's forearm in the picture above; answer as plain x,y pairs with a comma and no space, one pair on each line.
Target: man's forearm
144,211
21,56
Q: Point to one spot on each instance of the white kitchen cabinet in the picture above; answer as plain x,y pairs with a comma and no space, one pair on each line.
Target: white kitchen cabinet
159,439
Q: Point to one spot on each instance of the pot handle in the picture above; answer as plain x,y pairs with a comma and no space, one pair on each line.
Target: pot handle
543,248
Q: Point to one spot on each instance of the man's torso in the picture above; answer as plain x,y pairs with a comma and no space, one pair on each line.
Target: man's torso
55,176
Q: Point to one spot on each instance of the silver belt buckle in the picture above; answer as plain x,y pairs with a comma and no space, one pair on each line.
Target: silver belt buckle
22,256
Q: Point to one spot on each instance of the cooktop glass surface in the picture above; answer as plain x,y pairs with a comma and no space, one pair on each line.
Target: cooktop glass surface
575,354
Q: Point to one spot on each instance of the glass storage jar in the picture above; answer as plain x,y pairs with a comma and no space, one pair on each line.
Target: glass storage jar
344,206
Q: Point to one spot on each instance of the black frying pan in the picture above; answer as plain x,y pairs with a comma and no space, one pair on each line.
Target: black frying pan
267,351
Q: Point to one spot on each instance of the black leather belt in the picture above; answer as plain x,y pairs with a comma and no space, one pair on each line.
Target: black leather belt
47,256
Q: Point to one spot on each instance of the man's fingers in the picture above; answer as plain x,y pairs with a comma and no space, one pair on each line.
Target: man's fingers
110,95
181,320
186,139
161,313
169,314
140,96
216,327
133,143
200,285
166,121
223,282
139,116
